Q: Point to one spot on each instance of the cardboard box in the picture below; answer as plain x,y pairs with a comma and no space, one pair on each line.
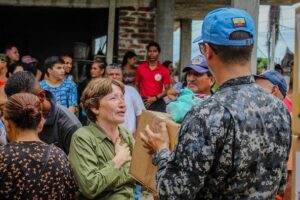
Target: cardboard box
296,77
296,168
141,167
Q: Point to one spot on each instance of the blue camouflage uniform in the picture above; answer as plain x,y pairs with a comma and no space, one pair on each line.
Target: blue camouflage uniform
234,145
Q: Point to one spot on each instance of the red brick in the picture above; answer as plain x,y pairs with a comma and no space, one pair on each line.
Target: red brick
147,9
128,8
123,13
140,35
129,19
145,41
126,24
145,20
127,30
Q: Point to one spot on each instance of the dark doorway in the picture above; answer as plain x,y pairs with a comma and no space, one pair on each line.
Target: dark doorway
46,31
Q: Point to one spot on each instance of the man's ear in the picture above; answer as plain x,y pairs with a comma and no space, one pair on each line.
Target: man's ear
212,81
49,71
209,51
277,92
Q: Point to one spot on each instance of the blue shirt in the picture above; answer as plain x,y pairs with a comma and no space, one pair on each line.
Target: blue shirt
2,134
65,94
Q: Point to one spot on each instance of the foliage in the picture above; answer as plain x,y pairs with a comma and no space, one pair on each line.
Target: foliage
262,64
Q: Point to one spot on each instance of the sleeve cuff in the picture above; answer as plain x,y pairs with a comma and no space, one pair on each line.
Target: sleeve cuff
161,156
114,171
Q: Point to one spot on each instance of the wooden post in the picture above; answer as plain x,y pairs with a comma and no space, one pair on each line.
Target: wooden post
185,43
111,31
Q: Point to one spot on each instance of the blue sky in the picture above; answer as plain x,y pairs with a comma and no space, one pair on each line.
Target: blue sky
286,36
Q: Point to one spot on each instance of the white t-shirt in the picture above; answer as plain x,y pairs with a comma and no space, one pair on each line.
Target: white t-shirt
135,106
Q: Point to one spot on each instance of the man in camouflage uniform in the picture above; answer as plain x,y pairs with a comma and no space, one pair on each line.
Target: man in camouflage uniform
231,145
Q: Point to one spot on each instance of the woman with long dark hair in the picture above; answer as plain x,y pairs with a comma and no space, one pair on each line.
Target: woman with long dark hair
128,66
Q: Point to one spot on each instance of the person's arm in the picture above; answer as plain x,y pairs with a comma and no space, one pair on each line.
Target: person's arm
38,74
150,100
182,174
68,125
72,100
138,105
91,178
164,92
174,91
137,80
172,94
67,133
167,85
284,178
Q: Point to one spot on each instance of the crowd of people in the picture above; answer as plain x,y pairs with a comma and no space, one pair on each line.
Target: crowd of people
62,139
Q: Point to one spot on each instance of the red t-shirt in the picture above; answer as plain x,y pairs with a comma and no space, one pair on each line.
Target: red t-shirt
288,103
3,82
151,82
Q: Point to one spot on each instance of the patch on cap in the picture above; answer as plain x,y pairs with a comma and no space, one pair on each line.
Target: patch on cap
239,22
197,60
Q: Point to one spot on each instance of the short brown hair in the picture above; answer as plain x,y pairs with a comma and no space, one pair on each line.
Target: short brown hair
234,54
95,91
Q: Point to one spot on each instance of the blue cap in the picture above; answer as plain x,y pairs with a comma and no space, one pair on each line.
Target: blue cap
219,24
197,64
276,79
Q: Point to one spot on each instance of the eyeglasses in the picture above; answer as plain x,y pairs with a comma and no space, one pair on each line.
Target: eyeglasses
202,47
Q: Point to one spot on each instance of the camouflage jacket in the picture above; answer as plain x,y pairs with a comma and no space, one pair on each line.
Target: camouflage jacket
234,145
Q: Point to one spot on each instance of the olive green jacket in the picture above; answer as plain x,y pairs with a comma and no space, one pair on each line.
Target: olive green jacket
91,154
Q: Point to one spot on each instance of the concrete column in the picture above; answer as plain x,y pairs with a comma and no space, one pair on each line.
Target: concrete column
164,28
185,43
111,31
251,6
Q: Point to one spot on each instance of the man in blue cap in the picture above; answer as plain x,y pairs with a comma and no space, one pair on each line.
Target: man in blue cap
272,82
198,79
230,146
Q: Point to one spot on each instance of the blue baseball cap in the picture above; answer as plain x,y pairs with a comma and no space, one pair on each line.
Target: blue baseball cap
197,64
219,24
276,79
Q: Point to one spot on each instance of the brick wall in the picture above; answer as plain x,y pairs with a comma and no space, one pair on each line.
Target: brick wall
136,30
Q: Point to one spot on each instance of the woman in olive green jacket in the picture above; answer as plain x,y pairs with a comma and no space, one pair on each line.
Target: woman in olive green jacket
100,153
